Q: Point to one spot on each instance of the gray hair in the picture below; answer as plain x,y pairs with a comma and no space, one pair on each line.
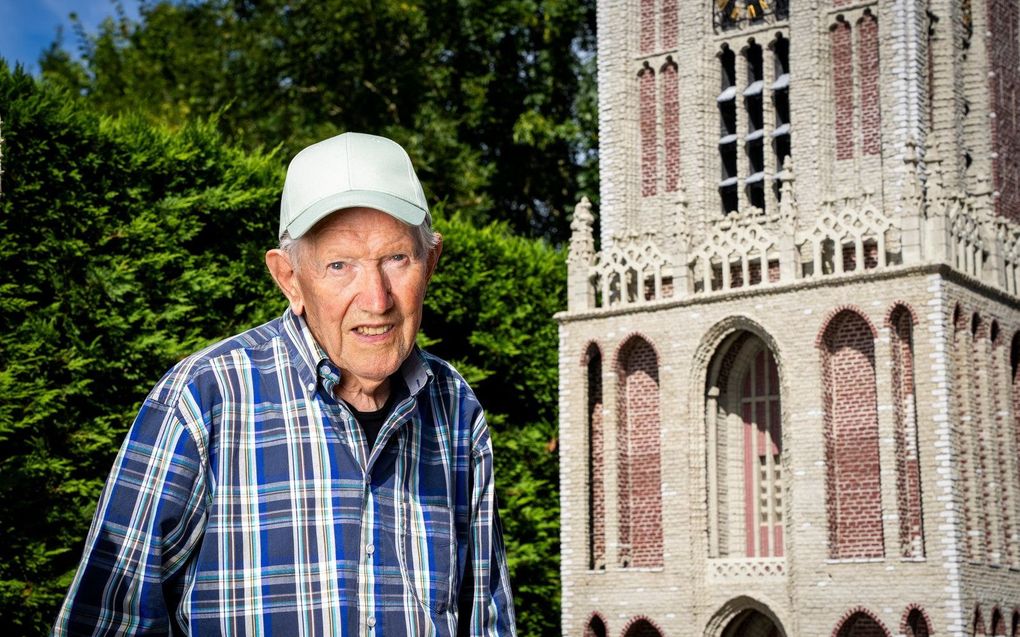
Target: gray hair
425,240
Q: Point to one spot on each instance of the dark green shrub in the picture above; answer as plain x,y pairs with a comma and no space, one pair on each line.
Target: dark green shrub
125,247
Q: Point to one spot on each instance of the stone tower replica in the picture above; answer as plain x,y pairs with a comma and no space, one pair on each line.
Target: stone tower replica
790,402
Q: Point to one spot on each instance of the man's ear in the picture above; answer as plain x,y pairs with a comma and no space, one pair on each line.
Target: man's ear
285,275
433,257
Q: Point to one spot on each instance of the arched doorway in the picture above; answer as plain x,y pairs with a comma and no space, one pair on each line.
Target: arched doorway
751,623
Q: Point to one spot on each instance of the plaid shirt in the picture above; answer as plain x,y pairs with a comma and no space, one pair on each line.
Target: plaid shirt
245,501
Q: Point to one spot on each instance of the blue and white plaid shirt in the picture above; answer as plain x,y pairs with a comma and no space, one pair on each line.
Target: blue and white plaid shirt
245,501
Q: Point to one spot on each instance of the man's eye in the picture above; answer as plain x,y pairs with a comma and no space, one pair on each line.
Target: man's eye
336,266
399,257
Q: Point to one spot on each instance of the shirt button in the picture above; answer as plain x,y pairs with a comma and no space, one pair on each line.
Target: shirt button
311,386
371,622
370,549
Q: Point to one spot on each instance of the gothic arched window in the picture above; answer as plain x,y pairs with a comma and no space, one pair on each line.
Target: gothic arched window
853,488
744,425
640,486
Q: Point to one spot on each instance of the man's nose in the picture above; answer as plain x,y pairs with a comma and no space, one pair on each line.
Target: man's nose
374,291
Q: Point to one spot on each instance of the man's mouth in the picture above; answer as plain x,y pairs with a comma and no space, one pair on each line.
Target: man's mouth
370,330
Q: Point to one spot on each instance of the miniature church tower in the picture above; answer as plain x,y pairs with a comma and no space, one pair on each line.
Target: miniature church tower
789,390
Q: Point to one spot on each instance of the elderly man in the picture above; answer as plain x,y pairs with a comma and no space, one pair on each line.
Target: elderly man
319,474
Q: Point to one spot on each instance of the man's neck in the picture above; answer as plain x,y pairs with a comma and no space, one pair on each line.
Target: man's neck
365,396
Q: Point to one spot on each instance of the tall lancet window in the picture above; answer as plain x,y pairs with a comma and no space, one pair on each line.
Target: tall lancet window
908,470
745,446
671,122
853,473
596,461
1003,46
754,121
648,129
780,48
727,103
754,140
854,53
639,499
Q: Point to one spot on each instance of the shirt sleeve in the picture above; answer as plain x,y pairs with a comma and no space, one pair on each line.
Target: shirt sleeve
149,519
492,610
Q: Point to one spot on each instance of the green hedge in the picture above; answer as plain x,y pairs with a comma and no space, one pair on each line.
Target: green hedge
125,247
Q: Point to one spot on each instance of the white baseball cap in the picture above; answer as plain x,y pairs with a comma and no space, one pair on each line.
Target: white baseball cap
349,171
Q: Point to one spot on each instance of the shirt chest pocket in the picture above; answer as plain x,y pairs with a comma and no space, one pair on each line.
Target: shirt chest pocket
427,549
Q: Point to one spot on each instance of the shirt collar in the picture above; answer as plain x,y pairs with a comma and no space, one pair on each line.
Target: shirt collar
315,366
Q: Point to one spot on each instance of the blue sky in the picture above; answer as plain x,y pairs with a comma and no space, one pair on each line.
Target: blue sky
28,26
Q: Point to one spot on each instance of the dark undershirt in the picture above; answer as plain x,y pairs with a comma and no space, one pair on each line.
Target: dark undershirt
372,421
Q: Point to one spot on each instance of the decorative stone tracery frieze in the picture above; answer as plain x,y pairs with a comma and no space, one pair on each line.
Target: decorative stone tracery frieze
1009,237
747,568
631,271
844,226
750,248
968,251
738,251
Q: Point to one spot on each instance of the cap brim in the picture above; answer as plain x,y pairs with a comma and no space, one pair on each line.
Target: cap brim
398,208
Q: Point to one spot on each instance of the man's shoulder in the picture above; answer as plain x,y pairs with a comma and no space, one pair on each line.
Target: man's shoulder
447,378
253,339
250,348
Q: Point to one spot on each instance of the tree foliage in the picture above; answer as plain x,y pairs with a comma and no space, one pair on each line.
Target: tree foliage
493,99
124,247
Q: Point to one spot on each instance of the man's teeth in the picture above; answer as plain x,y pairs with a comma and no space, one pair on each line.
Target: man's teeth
372,331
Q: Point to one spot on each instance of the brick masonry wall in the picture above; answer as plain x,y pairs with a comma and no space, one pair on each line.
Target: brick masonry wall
671,124
853,494
670,24
649,149
908,473
647,26
686,597
1005,465
1004,89
843,88
868,68
596,463
983,423
986,438
641,528
990,493
964,438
